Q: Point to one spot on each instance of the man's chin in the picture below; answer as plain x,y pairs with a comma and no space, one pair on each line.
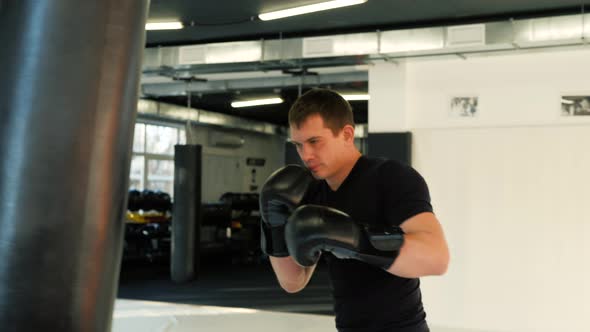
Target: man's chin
317,175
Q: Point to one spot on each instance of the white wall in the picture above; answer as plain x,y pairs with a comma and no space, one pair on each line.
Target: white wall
511,187
513,89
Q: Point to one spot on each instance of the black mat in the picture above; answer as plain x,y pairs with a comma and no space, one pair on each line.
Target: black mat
222,284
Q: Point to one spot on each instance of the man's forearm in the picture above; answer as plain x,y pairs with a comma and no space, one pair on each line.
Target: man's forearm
291,276
421,255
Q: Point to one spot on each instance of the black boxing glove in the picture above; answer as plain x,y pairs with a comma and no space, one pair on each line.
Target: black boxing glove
313,229
280,195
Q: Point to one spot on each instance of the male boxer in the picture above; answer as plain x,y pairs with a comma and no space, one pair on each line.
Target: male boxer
370,218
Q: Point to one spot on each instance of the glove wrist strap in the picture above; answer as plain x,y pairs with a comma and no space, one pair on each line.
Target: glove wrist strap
272,240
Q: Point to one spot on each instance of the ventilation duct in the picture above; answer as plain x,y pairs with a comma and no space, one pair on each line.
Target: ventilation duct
537,32
152,110
340,45
466,35
176,88
345,50
220,53
225,140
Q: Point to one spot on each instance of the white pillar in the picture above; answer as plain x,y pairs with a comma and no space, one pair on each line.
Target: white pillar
387,106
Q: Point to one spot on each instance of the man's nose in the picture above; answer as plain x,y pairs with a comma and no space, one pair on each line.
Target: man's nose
305,153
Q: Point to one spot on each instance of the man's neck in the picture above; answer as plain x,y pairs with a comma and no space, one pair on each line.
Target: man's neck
336,181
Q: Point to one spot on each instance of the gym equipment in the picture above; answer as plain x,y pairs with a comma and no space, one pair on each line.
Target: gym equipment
68,97
185,213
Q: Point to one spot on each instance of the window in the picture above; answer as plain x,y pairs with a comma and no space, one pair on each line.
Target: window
152,163
137,172
139,138
161,140
160,175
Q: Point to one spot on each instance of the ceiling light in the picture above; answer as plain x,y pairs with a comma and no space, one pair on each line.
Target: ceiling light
256,102
356,97
308,9
566,101
164,26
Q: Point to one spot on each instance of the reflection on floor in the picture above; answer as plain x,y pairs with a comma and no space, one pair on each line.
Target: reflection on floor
224,297
145,316
239,286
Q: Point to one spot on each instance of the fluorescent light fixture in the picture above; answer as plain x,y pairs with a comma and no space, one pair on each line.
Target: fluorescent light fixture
316,7
163,26
356,97
256,102
566,101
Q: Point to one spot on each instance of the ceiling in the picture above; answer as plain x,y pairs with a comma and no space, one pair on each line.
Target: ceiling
275,114
231,20
235,20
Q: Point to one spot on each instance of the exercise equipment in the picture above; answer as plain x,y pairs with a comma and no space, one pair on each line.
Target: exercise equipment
68,97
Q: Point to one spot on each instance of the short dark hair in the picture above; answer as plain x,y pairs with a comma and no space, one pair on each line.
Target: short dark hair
334,110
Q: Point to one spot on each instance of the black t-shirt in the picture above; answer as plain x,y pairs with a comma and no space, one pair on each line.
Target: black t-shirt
377,193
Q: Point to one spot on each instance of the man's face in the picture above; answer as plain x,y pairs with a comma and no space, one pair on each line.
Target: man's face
317,146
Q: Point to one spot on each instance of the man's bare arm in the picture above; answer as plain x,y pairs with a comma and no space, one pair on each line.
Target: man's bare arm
425,250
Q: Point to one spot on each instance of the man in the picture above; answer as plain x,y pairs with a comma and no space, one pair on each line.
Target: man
370,218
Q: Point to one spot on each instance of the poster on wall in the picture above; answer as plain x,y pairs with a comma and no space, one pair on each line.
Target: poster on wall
464,107
575,105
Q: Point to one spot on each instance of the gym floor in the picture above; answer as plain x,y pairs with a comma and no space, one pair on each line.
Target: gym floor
223,297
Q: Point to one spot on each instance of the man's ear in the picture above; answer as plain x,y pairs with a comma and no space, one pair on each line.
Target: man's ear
348,132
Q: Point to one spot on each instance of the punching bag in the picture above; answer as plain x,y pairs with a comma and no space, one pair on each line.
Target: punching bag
68,100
